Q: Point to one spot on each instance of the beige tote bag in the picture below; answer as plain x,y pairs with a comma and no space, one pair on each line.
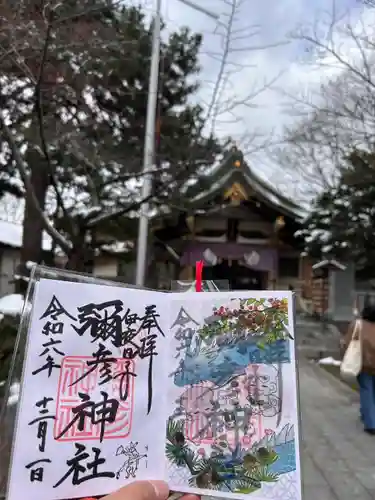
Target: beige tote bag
351,364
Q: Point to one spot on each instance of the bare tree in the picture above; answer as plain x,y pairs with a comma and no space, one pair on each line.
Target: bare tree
224,107
339,116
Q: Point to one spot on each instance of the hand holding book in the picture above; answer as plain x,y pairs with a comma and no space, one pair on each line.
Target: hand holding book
144,490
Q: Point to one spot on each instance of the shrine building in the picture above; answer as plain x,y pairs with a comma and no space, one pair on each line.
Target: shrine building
241,227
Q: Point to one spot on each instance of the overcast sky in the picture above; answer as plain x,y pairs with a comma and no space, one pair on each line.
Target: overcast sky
275,21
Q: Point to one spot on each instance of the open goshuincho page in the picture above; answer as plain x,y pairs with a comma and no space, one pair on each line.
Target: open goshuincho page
233,424
122,384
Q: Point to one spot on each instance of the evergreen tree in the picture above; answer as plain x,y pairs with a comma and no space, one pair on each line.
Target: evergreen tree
342,220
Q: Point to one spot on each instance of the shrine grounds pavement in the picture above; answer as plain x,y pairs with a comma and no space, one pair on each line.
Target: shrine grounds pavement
338,458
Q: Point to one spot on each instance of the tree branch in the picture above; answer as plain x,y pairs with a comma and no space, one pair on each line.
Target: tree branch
22,168
40,117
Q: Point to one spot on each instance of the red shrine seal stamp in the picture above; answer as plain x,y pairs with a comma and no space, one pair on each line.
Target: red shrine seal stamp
69,398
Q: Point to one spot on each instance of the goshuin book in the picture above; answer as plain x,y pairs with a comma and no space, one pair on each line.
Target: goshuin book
198,389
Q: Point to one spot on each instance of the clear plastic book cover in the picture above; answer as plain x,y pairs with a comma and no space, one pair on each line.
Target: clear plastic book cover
9,403
207,286
210,313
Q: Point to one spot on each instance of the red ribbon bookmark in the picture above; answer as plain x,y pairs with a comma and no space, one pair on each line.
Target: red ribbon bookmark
198,276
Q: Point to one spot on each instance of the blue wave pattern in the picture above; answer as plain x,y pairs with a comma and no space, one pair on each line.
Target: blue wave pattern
284,444
220,363
287,458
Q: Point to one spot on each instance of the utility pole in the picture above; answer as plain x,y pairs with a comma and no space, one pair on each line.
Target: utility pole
149,146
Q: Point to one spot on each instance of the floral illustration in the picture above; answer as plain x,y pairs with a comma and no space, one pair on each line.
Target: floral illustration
247,331
263,318
232,469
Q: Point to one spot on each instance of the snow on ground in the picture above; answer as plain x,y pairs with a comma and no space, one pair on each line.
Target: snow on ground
118,246
11,305
329,361
14,392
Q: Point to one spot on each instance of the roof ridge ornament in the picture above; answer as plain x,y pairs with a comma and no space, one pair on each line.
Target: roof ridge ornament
236,193
279,223
238,160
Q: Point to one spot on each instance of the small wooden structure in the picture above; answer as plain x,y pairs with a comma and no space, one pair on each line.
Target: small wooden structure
331,291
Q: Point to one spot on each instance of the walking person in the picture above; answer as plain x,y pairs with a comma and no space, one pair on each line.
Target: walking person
364,330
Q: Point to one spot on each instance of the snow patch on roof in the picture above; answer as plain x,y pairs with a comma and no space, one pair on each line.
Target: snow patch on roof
329,263
264,190
11,234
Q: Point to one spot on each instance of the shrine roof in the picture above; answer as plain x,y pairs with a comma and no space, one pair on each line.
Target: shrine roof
234,169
